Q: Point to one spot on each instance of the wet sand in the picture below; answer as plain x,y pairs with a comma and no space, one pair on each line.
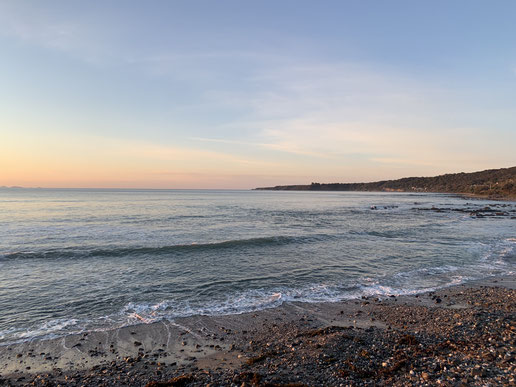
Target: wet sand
462,335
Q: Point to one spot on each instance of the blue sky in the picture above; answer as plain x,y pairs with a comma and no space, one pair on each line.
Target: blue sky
233,94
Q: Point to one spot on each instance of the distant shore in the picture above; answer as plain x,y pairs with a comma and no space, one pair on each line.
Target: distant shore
508,198
463,334
465,195
494,184
487,197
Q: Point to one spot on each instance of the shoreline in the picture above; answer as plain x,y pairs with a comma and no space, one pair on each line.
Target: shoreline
487,197
304,343
462,195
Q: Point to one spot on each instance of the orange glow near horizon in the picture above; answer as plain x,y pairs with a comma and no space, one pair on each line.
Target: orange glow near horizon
121,103
94,162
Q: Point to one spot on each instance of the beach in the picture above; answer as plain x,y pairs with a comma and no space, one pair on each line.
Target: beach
460,335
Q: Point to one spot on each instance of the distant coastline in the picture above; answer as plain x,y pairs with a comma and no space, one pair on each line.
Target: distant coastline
491,183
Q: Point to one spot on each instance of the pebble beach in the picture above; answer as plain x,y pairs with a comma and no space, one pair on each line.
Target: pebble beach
460,335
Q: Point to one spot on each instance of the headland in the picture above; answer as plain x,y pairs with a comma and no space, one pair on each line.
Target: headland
499,184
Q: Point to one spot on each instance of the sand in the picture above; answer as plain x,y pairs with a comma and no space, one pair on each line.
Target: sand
463,334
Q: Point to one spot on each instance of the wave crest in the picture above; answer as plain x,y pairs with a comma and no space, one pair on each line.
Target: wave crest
70,253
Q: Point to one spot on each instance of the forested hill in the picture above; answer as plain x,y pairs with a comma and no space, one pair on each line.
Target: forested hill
495,183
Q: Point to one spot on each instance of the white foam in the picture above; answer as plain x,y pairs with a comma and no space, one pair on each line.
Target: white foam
48,329
493,261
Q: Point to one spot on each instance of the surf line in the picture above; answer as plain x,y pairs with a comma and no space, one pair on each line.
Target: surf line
141,318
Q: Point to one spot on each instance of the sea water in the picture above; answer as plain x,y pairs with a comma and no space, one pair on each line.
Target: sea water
79,260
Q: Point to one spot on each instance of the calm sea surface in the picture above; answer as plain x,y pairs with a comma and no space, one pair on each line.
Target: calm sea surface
75,260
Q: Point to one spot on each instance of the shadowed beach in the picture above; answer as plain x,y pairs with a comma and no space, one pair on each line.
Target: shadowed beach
461,335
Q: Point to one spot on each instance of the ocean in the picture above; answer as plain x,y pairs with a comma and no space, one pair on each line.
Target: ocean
75,260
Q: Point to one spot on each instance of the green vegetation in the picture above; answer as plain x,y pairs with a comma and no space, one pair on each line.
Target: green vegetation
492,183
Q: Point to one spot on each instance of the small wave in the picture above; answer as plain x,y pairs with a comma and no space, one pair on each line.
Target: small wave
236,303
389,234
47,330
166,250
405,285
495,261
402,283
133,313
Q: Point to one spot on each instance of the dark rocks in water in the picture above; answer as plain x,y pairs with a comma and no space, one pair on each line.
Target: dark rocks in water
473,212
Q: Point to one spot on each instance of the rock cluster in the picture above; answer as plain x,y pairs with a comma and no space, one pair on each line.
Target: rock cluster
466,339
499,210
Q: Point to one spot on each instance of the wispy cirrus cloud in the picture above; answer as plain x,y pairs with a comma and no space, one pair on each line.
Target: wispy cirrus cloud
245,109
52,30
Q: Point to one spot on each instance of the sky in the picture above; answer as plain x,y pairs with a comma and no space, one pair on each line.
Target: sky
242,94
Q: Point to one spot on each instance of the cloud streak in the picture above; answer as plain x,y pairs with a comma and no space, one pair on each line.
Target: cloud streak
233,109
